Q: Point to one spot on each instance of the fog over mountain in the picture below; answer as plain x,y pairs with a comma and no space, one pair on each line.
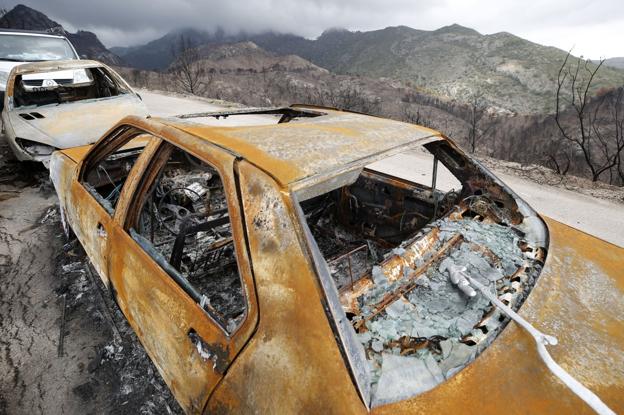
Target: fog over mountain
592,28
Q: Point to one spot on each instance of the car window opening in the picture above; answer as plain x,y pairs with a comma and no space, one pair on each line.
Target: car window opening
59,87
105,179
394,248
185,219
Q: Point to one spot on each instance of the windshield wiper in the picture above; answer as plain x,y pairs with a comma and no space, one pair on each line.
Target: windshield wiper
11,60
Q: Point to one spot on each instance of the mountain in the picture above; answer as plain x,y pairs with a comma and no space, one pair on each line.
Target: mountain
248,57
454,61
507,72
159,53
615,62
86,43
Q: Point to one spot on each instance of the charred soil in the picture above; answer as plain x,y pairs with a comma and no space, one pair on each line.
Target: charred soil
65,347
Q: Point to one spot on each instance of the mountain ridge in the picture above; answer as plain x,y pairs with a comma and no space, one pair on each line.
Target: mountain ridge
510,73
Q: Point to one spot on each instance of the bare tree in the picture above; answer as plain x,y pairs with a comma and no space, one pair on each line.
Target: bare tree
593,129
410,116
418,117
345,96
554,159
607,123
186,67
476,112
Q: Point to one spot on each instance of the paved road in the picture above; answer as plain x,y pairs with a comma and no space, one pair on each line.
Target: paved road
594,216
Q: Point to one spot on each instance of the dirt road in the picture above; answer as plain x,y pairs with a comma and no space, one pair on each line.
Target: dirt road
49,298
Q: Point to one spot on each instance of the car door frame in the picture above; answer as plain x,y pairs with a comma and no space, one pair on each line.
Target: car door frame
91,220
191,390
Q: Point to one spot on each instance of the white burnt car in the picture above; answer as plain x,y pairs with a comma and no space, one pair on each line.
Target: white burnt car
59,113
23,46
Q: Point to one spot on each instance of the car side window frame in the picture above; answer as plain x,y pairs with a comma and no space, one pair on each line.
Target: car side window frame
112,142
134,206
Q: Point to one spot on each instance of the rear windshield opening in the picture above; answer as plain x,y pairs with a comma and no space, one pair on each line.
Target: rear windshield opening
394,238
66,86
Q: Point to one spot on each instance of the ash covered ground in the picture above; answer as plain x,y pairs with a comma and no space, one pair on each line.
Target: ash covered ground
102,367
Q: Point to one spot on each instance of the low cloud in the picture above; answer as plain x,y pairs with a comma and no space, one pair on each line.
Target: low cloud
594,28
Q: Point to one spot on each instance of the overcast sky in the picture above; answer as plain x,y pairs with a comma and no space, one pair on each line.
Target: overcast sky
593,28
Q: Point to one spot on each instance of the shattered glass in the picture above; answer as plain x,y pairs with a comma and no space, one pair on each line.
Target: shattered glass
404,289
434,317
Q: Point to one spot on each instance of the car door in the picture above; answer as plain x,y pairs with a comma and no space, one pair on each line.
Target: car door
177,315
95,190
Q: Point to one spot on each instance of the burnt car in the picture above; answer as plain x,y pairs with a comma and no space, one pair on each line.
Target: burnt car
61,104
302,267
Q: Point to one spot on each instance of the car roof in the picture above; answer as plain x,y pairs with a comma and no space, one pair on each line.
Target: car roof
60,65
311,146
29,33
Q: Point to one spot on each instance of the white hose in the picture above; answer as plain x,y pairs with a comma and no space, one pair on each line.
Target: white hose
542,340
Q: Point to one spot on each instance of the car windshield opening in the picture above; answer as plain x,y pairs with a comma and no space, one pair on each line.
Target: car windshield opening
397,239
28,48
59,87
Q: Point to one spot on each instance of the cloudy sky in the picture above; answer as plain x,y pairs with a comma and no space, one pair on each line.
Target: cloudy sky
593,28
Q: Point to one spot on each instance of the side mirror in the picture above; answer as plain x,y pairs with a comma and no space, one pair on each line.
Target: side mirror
1,100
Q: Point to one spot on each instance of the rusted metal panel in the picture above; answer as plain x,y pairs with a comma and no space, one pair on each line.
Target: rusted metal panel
579,299
311,146
161,313
288,357
292,364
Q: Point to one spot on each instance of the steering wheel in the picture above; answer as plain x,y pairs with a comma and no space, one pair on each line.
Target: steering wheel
448,200
178,213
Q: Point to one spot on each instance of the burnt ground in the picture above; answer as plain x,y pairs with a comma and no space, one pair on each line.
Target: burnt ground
102,368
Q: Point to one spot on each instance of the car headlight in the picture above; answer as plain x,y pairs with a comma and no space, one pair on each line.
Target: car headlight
34,148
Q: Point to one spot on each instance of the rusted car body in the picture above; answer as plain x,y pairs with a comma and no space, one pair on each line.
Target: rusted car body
267,269
52,112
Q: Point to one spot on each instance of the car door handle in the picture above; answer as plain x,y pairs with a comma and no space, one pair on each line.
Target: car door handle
101,232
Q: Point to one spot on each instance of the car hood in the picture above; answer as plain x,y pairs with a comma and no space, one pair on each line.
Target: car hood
579,298
74,124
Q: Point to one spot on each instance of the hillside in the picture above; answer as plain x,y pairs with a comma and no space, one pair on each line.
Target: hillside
453,61
615,62
245,73
510,73
86,43
248,57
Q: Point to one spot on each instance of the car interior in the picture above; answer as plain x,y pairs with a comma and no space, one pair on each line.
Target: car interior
93,83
